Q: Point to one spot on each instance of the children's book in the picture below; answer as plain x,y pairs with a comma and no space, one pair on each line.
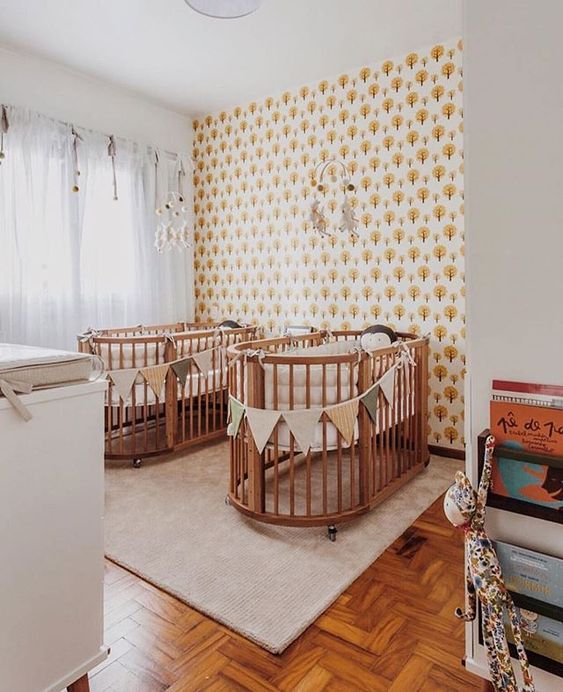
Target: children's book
540,634
527,427
538,577
531,574
528,393
528,418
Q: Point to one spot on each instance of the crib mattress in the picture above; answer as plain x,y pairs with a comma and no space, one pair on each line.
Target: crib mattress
140,354
336,383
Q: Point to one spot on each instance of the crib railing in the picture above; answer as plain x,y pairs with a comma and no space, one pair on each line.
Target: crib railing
186,412
334,481
150,329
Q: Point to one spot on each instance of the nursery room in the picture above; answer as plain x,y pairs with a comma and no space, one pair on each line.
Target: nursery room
280,402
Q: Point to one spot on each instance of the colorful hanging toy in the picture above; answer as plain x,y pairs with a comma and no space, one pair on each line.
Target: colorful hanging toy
466,509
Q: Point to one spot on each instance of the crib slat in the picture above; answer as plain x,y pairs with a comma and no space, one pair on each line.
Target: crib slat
324,400
255,470
171,394
276,405
291,447
364,437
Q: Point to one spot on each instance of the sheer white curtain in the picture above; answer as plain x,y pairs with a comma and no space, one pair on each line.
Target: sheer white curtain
70,260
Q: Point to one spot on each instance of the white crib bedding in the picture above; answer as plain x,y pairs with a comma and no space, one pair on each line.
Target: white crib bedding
321,378
393,417
120,356
333,394
195,380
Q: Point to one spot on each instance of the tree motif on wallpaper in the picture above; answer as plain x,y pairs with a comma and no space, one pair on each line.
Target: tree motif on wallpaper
397,126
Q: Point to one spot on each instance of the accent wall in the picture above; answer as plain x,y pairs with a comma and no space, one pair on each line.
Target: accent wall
397,127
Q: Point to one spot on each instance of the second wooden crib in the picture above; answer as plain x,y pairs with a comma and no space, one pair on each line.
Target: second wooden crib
152,408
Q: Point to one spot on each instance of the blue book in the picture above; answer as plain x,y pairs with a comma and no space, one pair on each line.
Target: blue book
531,574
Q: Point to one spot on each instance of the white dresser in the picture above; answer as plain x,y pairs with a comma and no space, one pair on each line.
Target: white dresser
51,538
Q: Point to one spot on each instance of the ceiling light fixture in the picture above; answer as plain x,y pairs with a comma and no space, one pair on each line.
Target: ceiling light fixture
224,9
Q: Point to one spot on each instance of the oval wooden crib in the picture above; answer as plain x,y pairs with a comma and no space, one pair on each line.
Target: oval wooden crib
161,409
337,479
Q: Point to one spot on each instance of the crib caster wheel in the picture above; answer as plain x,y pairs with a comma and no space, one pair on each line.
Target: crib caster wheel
332,533
227,501
137,463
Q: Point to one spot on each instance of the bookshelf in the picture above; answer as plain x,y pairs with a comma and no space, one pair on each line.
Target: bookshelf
550,607
526,526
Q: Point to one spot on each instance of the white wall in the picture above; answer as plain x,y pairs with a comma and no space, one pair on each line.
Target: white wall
513,108
49,88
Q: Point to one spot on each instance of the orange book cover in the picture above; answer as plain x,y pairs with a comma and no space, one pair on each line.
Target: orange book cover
527,427
535,429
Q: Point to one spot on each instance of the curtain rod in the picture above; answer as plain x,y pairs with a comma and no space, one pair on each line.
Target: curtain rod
172,154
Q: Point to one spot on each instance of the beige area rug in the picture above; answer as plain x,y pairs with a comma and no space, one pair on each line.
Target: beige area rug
168,522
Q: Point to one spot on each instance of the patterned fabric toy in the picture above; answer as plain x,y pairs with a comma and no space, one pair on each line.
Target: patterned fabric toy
465,508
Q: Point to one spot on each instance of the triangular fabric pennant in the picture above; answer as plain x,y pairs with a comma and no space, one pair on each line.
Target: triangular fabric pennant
302,424
123,381
387,384
181,369
236,414
203,360
155,376
261,422
344,417
369,400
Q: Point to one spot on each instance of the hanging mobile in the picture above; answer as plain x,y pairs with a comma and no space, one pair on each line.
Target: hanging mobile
173,230
348,221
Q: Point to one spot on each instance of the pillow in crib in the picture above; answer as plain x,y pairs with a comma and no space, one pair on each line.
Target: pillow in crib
377,336
297,330
230,324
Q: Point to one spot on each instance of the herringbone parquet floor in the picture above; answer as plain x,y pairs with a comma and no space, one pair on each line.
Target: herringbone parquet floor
393,629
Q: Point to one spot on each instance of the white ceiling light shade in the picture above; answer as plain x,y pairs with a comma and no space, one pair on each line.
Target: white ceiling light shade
224,9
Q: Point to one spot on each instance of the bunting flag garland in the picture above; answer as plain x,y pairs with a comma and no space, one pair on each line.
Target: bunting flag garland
262,423
387,385
344,418
181,368
123,381
203,360
236,414
301,423
369,400
155,376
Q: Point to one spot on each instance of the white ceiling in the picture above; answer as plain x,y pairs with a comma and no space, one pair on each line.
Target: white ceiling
164,50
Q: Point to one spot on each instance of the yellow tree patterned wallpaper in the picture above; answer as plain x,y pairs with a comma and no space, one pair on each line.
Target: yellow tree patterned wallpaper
398,128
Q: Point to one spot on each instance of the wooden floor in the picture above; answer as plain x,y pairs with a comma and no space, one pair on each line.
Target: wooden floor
393,629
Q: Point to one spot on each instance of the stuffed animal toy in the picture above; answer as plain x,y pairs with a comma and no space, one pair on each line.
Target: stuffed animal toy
465,508
349,222
320,222
377,336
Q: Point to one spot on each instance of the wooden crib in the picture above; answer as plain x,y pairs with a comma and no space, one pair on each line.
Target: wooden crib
186,412
334,481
